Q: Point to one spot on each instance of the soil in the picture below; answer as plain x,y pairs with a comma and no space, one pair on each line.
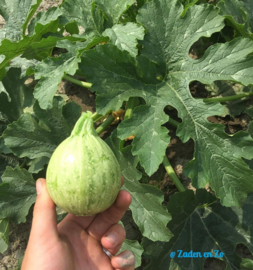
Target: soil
178,153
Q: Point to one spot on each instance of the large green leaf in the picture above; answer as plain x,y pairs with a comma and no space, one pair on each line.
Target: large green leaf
16,15
113,9
148,212
150,137
125,36
11,49
85,14
52,70
12,105
122,77
37,164
201,224
238,14
249,11
17,194
27,138
169,37
187,4
43,18
5,161
26,66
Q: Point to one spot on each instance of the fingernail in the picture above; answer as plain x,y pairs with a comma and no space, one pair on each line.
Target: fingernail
128,258
111,237
38,186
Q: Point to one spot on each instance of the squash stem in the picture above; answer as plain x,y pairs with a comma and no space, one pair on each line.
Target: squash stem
172,174
173,122
105,125
84,125
132,102
75,81
96,117
225,99
130,106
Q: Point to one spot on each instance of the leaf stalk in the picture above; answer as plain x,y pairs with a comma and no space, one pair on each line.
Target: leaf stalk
132,102
77,82
105,124
172,174
230,98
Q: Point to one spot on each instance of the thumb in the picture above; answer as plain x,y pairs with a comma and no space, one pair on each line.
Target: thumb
44,214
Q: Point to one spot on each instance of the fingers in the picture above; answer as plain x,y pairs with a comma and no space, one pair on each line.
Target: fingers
83,222
114,238
44,227
125,260
111,216
44,214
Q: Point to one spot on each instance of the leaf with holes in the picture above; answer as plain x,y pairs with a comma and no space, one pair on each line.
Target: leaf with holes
122,77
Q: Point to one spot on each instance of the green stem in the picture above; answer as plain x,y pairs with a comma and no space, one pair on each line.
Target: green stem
105,124
206,204
75,81
173,122
172,174
230,98
129,111
99,118
96,117
23,163
130,106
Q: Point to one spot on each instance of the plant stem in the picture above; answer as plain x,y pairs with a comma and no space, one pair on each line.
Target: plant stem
173,122
172,174
23,163
75,81
130,106
96,117
105,125
225,99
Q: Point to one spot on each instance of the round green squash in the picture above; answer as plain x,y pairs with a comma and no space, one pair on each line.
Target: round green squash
83,174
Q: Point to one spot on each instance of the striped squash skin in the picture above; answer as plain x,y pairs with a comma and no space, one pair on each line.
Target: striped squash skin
83,175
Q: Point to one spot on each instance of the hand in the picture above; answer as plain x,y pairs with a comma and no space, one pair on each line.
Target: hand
76,242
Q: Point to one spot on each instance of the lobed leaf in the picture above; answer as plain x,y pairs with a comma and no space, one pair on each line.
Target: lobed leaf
12,101
10,50
18,193
169,38
16,15
85,14
125,36
238,14
201,224
27,138
147,210
113,10
52,70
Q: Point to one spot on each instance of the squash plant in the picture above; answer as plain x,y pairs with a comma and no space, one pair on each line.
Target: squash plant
135,56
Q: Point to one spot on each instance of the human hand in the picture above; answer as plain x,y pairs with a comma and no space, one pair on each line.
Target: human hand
76,242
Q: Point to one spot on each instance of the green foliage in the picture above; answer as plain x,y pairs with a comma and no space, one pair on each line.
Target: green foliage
4,235
216,227
239,15
125,50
